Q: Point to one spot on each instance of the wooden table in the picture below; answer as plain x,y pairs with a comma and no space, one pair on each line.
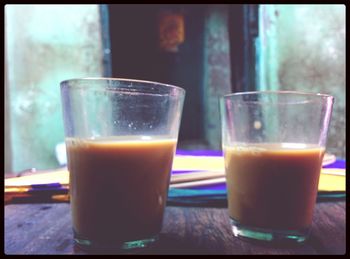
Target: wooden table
46,229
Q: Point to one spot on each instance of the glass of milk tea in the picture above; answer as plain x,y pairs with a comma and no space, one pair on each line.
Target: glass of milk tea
121,136
273,144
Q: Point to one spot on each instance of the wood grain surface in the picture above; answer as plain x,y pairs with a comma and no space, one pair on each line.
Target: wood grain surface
46,229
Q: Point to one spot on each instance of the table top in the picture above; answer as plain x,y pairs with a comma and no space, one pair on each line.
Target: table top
45,228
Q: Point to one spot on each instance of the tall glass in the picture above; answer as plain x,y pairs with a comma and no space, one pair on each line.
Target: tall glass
273,144
121,137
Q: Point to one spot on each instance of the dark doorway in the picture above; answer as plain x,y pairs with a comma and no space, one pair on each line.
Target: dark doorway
136,53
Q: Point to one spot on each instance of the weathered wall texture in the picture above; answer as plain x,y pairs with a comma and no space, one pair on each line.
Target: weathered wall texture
303,48
217,70
44,44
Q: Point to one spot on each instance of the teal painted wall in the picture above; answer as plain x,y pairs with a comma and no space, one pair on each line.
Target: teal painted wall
217,70
302,47
44,44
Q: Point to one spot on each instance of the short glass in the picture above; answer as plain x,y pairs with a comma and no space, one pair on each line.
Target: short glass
121,137
273,144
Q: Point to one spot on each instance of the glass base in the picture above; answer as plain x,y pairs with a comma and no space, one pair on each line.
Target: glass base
283,237
122,247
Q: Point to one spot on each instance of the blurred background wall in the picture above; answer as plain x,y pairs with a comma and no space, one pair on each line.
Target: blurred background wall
44,44
209,50
302,47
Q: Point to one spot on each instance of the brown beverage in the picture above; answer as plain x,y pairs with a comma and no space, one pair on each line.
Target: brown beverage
119,187
273,186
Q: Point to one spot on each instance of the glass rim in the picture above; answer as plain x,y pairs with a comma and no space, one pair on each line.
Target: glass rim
278,92
65,83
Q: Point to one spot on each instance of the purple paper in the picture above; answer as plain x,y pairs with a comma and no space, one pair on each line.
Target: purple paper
199,152
339,163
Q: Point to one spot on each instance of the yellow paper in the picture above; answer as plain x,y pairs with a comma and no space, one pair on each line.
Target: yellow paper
204,163
327,182
332,182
